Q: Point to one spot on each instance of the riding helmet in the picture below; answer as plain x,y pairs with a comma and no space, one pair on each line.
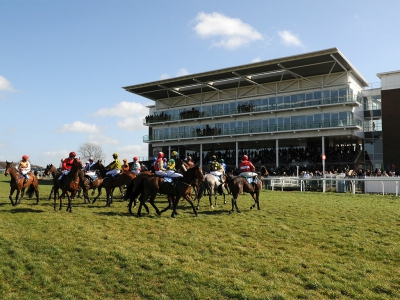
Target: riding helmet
214,157
244,158
91,158
221,160
174,153
135,158
25,157
115,155
160,154
72,154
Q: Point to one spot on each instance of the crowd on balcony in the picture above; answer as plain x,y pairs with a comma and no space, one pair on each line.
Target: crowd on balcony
308,159
161,117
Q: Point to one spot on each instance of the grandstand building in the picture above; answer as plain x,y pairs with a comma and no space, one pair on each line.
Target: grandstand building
283,112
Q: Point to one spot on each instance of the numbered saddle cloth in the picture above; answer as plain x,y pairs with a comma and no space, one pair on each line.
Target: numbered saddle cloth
168,179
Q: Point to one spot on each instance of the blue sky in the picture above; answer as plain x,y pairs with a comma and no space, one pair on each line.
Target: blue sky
63,63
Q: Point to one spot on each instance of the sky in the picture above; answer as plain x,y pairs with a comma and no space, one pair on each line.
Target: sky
63,63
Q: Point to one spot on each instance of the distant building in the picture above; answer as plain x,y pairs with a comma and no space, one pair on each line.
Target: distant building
282,113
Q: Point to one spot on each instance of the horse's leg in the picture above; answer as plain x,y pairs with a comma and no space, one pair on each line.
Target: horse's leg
37,193
170,204
234,202
69,207
10,197
17,200
51,192
152,198
61,198
98,194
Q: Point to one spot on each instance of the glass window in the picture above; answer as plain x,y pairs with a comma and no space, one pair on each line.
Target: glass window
272,103
265,125
309,121
279,102
335,96
317,95
293,100
286,100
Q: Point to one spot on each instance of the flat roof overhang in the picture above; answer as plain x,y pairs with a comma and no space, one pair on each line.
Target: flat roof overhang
287,68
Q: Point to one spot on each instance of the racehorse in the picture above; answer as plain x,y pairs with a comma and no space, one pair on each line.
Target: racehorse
69,184
239,184
50,169
17,183
150,185
110,183
211,185
89,183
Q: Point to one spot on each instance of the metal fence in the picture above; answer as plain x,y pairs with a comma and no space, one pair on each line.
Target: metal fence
367,185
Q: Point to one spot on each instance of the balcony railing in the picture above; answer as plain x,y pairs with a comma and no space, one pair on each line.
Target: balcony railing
203,133
246,109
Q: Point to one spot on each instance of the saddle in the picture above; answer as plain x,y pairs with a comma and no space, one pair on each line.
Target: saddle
252,180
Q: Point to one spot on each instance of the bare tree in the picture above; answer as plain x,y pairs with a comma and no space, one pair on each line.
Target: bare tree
88,150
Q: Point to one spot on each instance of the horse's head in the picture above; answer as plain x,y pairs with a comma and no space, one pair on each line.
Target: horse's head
47,171
97,166
263,171
77,164
9,166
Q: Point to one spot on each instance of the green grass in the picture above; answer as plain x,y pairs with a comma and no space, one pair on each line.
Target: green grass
298,246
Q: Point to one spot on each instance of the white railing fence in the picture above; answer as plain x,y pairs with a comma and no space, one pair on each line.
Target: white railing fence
379,185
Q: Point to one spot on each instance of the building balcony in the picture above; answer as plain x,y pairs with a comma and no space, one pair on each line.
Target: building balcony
217,132
190,115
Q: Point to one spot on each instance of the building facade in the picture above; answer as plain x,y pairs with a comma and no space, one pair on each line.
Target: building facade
282,113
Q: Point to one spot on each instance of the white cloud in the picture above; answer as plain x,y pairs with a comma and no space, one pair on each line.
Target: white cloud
123,109
257,59
5,85
182,72
132,124
165,76
230,33
102,140
56,154
79,126
289,39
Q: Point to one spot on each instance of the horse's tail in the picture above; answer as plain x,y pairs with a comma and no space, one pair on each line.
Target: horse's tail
202,186
129,190
30,191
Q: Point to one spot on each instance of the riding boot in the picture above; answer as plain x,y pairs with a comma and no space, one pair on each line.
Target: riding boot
25,179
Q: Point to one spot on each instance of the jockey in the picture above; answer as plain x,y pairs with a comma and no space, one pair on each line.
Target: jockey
176,158
165,162
115,166
67,164
215,168
91,174
125,166
222,163
136,168
159,165
24,167
171,172
246,167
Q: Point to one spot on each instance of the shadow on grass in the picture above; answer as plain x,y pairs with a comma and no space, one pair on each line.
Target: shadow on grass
25,210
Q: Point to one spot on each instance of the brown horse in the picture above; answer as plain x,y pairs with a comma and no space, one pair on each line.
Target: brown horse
52,170
239,184
110,183
17,183
150,185
69,184
92,183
